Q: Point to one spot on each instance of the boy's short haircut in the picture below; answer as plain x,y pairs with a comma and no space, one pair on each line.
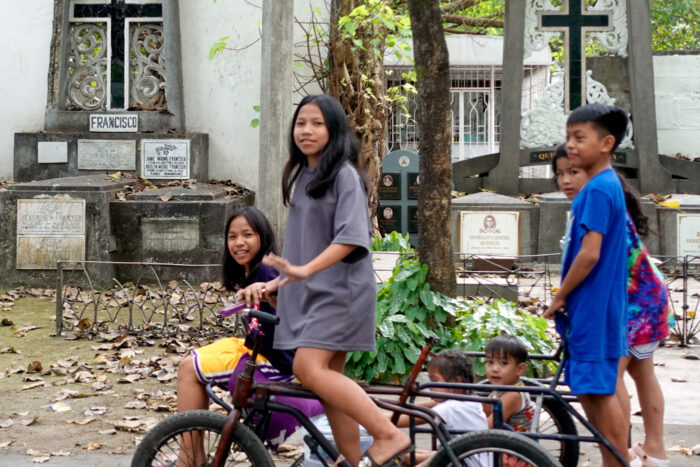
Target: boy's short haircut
508,346
454,365
607,119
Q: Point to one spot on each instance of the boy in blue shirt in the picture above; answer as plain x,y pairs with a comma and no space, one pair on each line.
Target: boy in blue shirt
593,292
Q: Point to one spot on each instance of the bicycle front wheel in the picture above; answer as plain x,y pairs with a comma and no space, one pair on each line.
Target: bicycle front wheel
191,438
488,448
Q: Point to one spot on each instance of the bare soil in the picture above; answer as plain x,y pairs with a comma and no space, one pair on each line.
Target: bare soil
85,378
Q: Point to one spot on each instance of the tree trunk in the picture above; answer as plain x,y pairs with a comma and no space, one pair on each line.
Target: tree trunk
435,164
357,80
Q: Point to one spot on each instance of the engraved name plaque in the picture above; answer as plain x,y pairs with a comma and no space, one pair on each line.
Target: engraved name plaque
49,230
106,154
165,158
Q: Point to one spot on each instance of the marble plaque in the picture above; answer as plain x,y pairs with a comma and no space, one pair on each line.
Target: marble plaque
413,185
413,219
52,152
114,123
389,218
106,154
489,232
170,234
688,234
168,158
389,186
49,230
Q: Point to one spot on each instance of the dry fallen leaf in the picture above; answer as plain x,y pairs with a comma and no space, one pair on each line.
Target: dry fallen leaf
41,460
4,444
6,423
28,421
679,380
32,386
60,453
165,197
34,367
93,446
84,421
110,431
34,452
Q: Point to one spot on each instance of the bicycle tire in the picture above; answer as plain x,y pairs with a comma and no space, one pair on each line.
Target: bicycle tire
563,423
494,442
559,421
161,445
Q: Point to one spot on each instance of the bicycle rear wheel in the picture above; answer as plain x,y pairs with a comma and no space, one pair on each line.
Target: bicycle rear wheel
191,438
489,448
555,419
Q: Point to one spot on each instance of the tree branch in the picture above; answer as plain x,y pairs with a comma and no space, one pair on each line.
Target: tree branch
474,22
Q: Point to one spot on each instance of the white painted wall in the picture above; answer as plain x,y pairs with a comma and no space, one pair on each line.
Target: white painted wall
220,93
25,46
677,88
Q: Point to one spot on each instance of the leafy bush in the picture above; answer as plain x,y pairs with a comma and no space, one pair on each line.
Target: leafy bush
408,313
393,241
479,322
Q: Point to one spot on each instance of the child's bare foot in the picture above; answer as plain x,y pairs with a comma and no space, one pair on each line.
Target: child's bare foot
386,449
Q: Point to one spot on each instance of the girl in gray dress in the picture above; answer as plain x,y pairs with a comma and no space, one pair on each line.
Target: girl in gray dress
327,297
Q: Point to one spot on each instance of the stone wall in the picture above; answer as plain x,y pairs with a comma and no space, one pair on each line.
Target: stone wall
219,94
677,84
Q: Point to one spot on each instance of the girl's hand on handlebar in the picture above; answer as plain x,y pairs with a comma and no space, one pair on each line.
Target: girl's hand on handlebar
253,294
292,273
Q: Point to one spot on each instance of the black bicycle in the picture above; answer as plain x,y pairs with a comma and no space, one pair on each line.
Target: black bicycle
206,438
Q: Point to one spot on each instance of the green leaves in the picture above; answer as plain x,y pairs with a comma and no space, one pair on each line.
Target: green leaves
217,47
409,312
479,322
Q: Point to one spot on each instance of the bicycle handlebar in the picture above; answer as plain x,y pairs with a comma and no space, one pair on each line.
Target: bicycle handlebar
266,318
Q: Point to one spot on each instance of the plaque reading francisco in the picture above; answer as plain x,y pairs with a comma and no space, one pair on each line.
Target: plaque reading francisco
49,230
489,232
165,158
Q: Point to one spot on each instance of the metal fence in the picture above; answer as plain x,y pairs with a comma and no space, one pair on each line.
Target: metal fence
162,301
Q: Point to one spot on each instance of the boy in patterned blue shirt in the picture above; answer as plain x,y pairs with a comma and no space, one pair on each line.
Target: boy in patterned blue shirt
593,292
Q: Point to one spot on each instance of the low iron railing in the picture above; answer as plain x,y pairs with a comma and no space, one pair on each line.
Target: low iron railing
162,301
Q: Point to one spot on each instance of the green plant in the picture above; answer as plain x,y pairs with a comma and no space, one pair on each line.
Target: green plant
393,241
479,322
408,313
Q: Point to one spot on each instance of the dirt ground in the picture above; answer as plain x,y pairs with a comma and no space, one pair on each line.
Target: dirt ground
78,402
62,397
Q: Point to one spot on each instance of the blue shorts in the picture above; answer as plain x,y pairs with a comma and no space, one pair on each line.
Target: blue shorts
597,377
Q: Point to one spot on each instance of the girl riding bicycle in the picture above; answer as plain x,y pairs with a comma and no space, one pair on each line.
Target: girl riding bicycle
327,298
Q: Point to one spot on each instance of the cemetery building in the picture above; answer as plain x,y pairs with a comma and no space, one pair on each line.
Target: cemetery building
99,93
476,70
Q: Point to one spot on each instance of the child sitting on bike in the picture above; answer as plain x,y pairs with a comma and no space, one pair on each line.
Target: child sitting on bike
249,237
450,366
505,364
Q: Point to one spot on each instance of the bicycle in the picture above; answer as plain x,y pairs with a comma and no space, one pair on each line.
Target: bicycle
236,439
558,427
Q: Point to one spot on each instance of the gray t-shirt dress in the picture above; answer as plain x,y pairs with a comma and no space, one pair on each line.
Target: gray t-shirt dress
335,308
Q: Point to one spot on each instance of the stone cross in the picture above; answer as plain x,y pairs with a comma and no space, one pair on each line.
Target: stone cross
116,12
574,22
